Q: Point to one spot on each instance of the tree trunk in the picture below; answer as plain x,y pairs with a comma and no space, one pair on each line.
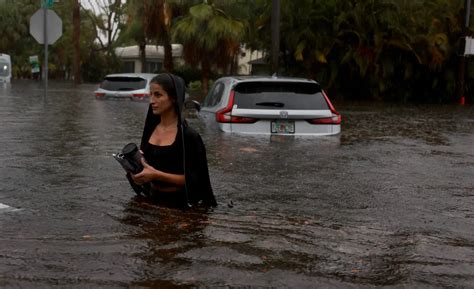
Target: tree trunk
167,16
275,24
76,20
460,85
205,75
232,68
168,61
142,48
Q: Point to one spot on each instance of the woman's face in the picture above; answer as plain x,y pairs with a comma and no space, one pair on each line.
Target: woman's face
160,100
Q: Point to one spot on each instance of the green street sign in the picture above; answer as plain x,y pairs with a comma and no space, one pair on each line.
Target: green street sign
34,63
47,3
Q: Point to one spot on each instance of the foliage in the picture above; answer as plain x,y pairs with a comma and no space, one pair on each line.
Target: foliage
188,73
402,50
210,38
62,51
379,49
15,40
107,19
195,85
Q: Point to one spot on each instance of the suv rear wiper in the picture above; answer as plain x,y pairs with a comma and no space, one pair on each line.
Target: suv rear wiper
274,104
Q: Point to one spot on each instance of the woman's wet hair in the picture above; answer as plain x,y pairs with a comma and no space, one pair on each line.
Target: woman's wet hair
167,83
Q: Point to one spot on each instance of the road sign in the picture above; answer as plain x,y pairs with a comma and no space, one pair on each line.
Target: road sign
46,27
47,3
34,63
54,26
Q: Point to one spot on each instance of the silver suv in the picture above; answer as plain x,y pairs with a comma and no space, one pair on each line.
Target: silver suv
135,86
270,105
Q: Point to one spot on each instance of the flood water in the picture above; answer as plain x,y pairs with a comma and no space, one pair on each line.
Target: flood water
388,203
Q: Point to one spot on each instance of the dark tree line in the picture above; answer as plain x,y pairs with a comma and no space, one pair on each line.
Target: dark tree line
403,50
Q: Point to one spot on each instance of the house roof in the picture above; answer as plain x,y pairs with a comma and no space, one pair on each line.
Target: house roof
152,51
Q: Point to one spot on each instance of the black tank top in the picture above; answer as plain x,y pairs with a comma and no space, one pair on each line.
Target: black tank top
168,159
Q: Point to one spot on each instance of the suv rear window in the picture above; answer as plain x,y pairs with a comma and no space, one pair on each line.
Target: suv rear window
123,83
279,95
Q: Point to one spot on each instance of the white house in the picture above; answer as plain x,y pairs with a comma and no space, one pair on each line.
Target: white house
155,55
246,60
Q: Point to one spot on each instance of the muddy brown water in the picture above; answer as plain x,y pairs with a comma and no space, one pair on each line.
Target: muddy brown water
388,203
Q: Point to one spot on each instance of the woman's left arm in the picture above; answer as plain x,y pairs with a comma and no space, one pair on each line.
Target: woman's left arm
197,172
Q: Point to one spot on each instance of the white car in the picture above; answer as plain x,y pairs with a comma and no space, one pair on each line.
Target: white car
135,86
5,68
270,105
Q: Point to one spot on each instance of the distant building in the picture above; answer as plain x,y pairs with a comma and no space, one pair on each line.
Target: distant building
249,62
155,56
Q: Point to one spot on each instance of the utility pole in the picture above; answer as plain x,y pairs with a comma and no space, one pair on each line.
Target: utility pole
275,26
462,59
76,22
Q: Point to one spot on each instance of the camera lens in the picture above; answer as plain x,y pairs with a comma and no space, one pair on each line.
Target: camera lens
130,149
133,156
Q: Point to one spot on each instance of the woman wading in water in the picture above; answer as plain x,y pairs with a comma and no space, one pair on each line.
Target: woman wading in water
175,169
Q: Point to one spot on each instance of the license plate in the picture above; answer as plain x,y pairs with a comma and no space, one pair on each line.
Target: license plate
283,126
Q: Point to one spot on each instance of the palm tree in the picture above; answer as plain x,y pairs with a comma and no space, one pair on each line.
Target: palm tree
157,27
148,22
209,37
135,30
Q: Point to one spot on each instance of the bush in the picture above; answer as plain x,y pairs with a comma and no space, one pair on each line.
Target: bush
195,85
188,73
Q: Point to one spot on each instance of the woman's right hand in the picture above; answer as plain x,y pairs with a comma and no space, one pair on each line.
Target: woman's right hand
147,175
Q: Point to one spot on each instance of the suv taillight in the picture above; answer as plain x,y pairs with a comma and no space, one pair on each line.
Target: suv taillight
140,95
224,115
334,119
99,94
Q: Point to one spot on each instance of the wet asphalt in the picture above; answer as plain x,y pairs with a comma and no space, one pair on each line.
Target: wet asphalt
387,204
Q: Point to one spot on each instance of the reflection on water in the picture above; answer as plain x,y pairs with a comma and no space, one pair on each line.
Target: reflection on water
166,233
387,203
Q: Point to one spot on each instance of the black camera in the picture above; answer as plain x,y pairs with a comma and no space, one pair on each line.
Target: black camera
130,158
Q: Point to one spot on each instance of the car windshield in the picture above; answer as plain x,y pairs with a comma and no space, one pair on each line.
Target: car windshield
123,83
4,68
279,95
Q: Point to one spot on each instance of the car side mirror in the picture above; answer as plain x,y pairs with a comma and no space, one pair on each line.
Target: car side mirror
192,104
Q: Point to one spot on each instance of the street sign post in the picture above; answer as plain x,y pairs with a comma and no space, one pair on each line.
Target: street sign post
46,27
